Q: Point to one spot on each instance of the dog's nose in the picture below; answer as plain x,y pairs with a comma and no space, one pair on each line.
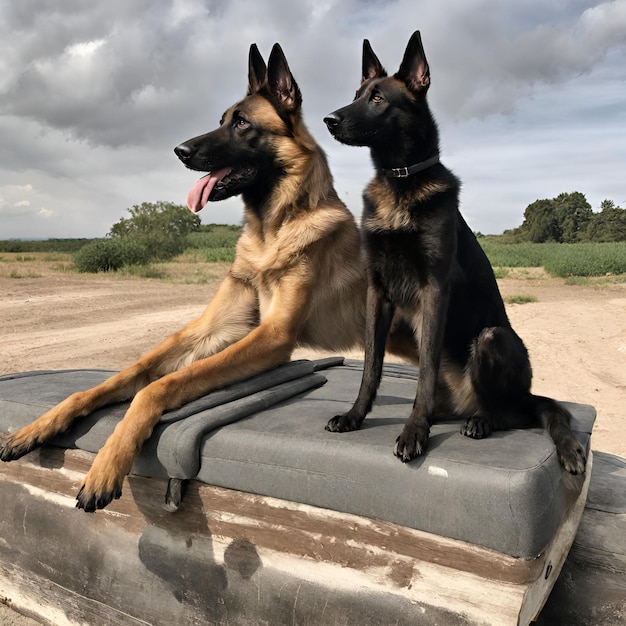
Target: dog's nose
183,151
332,120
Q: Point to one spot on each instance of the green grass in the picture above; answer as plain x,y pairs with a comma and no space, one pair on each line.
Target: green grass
559,259
219,255
215,244
501,272
520,299
18,274
44,245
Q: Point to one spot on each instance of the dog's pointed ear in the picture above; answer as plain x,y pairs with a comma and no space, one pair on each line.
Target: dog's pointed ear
257,71
414,70
372,67
281,83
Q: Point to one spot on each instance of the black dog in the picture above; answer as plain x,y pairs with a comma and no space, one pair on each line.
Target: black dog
425,267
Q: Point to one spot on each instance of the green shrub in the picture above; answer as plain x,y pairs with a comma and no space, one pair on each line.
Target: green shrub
103,255
156,246
108,255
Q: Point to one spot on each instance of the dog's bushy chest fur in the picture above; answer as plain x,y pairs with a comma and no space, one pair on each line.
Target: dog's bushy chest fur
409,233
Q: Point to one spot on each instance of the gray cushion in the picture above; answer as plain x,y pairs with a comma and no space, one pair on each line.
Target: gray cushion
507,492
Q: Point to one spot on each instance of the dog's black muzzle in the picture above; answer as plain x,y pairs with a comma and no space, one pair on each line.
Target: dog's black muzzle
183,152
343,126
332,120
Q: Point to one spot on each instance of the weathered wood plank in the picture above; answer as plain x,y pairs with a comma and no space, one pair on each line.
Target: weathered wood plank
228,554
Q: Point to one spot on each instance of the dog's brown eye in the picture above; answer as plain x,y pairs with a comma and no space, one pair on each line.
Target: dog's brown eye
377,97
241,123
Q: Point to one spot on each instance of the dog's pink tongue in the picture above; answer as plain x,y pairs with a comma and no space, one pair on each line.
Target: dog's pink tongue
199,195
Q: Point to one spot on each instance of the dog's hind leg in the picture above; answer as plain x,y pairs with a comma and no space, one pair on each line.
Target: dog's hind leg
501,375
378,322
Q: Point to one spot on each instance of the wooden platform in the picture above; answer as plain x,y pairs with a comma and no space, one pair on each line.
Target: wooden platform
228,557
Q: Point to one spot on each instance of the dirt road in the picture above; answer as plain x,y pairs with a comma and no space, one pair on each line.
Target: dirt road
51,319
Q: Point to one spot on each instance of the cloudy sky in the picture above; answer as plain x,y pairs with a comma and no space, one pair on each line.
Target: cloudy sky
530,96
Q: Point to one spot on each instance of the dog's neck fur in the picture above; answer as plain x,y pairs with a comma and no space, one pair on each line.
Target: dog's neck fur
408,153
303,184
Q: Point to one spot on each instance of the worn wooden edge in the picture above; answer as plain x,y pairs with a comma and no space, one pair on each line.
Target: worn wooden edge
227,510
314,544
556,553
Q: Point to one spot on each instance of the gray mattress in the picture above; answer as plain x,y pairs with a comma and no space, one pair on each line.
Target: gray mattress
266,436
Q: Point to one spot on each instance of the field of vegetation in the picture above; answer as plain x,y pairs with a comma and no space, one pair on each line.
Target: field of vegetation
156,233
559,259
216,244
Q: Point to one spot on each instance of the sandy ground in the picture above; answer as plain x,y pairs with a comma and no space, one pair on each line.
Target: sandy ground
51,318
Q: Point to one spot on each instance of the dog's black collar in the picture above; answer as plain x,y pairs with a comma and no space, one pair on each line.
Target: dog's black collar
405,172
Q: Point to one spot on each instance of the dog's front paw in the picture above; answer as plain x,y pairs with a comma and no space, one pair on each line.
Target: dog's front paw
412,442
102,484
477,427
16,445
345,423
572,456
90,500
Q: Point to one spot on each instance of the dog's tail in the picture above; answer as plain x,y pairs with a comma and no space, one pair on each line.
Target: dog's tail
556,419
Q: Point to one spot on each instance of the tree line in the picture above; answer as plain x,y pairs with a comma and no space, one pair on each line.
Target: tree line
568,218
161,230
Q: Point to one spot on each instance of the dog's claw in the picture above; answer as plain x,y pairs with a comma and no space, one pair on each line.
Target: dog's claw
476,427
412,442
10,450
91,501
344,423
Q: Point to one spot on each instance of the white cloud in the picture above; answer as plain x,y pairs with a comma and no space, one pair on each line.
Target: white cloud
93,97
84,49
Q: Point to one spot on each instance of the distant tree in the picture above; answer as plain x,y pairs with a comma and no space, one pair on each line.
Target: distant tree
541,222
609,224
159,217
564,219
573,214
161,228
